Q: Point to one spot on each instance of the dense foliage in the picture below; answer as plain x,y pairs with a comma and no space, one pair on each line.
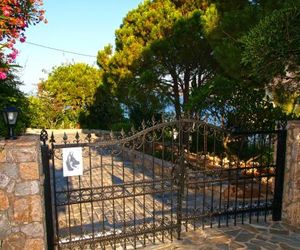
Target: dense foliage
236,61
160,48
63,97
194,55
10,95
272,53
104,113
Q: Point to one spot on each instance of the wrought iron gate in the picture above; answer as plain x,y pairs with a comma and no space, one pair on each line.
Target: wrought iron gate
148,186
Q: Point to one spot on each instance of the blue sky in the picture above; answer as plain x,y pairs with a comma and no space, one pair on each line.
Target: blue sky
82,26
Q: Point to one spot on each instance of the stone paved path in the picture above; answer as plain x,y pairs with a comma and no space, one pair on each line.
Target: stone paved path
265,235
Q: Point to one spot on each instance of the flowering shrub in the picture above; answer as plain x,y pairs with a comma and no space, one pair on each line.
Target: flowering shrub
15,17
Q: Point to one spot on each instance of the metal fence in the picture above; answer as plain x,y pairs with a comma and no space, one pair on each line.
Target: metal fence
149,186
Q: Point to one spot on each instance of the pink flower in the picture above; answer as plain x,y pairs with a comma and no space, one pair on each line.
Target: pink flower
13,55
22,39
2,75
6,11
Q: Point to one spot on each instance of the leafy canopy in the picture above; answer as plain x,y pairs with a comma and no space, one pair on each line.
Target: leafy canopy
68,91
161,48
272,54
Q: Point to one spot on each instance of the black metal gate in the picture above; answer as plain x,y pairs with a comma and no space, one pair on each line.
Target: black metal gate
148,186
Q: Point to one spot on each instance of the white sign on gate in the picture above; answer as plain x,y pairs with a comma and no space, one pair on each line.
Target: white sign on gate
72,161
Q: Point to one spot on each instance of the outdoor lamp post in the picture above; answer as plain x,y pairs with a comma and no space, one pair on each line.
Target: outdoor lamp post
10,116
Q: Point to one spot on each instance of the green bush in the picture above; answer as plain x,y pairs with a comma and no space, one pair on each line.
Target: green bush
10,95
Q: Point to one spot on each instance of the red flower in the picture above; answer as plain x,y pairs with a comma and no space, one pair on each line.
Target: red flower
6,11
2,75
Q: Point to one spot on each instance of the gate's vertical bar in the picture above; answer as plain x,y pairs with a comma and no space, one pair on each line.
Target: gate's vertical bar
203,198
268,175
162,185
80,192
211,204
88,138
186,146
102,169
153,187
279,175
113,200
47,189
144,195
68,180
261,164
252,183
179,199
173,145
181,181
124,200
53,186
134,201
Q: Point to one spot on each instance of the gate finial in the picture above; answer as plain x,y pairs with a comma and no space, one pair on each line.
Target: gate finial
163,118
77,137
143,125
153,120
132,130
111,135
65,138
52,140
89,137
44,136
122,134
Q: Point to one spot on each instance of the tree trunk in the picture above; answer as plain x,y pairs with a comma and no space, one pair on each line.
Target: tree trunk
176,95
186,90
176,100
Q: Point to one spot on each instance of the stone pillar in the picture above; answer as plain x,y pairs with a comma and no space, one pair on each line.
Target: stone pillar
291,190
22,222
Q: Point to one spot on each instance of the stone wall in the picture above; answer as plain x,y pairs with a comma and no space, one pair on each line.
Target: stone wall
291,191
22,222
149,162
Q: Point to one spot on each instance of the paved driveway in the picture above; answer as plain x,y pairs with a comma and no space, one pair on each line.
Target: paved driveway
269,235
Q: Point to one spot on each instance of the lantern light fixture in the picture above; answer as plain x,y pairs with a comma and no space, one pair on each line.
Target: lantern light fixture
10,115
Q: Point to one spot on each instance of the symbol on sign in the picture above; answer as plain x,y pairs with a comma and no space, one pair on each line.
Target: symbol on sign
71,162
